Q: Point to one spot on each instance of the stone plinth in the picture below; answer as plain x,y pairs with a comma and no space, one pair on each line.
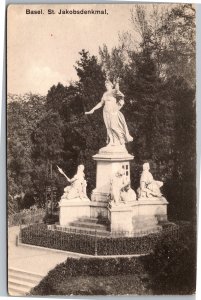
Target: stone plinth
142,215
120,217
71,210
98,209
109,160
153,207
144,223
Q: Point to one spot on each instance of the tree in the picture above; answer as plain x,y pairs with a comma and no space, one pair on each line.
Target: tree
169,32
91,79
23,114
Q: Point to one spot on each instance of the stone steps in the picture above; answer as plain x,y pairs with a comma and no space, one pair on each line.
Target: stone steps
76,229
20,282
88,219
88,225
93,220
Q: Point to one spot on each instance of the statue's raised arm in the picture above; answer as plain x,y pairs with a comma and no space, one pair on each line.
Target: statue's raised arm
99,105
112,101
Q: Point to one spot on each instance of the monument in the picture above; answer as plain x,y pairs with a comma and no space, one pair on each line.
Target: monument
113,198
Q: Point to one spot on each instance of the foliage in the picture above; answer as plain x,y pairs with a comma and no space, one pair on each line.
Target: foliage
39,235
27,216
86,267
173,258
153,274
51,219
24,112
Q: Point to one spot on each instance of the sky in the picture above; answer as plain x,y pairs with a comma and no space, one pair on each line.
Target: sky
42,49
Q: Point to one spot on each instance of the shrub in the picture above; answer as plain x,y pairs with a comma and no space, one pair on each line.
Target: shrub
87,267
50,219
172,266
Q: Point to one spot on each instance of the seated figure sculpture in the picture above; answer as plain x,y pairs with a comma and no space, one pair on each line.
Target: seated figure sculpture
120,190
78,184
148,186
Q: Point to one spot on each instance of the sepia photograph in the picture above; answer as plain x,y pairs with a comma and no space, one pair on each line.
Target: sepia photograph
101,149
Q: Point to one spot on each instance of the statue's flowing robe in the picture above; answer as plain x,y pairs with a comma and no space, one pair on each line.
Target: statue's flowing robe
115,123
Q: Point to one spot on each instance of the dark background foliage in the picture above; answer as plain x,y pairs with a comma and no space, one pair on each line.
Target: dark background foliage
158,79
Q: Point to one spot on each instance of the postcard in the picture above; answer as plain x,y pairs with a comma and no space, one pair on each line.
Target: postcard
101,149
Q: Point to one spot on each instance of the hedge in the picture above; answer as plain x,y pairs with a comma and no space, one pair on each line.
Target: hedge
39,235
94,266
169,269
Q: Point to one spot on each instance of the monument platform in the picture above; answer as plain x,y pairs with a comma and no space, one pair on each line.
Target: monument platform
114,200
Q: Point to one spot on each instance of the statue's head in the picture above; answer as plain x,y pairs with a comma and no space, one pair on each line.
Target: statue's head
80,167
146,166
108,85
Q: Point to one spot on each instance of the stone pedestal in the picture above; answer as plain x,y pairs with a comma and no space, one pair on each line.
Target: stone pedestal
153,207
138,216
71,210
109,160
121,219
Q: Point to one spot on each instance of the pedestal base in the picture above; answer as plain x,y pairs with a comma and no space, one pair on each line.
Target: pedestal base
71,210
153,207
98,209
138,216
121,218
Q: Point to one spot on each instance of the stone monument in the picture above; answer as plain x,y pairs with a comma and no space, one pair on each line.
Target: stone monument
113,198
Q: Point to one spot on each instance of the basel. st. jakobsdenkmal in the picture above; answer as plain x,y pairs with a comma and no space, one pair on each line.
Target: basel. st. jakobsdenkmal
112,101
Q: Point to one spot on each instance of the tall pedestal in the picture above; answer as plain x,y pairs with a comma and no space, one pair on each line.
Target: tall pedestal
109,161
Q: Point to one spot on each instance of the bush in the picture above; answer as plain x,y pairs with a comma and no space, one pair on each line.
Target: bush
172,266
50,219
86,267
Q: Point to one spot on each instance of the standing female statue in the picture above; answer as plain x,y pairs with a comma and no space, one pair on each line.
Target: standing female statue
113,100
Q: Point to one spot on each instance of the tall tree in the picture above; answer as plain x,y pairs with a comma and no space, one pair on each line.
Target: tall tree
24,113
